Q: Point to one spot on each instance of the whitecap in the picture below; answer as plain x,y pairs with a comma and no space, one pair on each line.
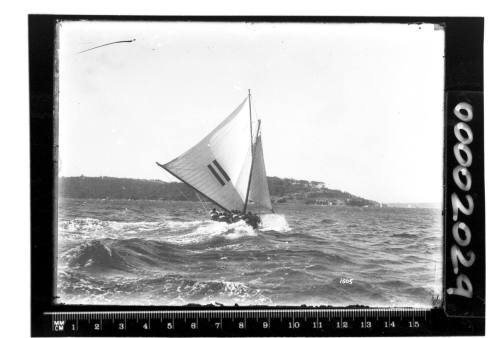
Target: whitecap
209,229
274,222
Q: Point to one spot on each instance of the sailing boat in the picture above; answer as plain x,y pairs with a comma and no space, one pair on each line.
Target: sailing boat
227,167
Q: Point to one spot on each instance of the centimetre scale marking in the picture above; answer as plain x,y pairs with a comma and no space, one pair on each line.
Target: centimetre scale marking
196,322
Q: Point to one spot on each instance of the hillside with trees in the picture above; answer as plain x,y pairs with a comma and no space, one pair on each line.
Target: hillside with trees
282,190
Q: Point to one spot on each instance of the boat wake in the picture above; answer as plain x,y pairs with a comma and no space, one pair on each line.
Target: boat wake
170,231
207,230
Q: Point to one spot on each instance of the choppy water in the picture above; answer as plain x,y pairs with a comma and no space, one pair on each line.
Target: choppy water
169,253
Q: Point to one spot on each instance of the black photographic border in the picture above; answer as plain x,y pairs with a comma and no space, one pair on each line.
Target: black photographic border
463,105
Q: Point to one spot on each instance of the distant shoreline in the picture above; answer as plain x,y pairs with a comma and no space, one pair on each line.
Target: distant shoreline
282,204
282,191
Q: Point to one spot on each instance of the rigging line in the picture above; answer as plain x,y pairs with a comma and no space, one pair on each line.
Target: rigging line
255,111
106,44
182,193
202,202
197,195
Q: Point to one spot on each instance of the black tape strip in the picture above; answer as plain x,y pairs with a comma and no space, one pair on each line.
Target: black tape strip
222,171
216,174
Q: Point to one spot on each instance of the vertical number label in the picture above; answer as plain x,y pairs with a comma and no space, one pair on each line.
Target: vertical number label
462,205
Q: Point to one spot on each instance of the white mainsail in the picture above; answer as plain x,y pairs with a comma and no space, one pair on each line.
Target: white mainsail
220,165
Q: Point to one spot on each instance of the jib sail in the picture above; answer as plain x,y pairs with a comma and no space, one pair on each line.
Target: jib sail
259,189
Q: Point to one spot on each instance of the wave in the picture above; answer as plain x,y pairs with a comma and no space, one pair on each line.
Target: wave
122,256
396,284
318,256
95,228
406,235
95,255
165,289
274,222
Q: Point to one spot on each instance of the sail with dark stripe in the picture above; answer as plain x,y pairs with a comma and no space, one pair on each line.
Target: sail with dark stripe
222,165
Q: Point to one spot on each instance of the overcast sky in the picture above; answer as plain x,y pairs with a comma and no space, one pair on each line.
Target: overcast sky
359,107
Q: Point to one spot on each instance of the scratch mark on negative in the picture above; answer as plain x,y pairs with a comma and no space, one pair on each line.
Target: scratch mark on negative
106,44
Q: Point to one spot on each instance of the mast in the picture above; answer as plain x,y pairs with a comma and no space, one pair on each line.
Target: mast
252,150
250,109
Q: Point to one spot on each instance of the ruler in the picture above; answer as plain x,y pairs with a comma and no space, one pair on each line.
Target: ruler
240,322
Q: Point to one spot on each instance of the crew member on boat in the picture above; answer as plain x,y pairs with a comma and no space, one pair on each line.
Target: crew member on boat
235,216
214,214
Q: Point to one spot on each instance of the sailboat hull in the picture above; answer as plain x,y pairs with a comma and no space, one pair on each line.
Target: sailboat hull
252,220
